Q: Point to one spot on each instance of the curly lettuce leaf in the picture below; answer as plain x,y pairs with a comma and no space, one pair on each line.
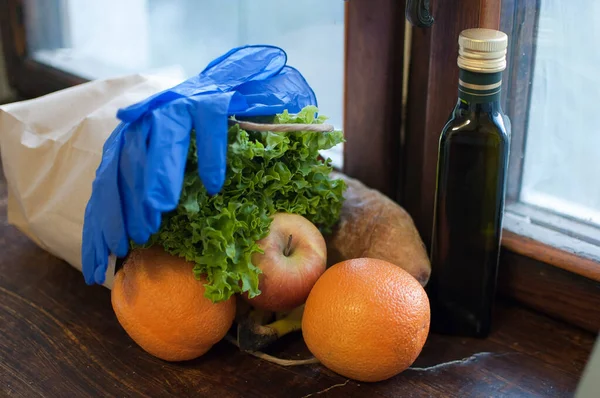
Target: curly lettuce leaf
267,172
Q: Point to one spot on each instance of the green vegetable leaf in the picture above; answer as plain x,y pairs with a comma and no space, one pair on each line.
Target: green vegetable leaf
267,172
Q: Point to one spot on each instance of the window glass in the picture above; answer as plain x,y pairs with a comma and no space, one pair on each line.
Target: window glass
103,38
561,170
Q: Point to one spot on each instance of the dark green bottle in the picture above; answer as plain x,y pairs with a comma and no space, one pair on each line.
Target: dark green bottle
470,191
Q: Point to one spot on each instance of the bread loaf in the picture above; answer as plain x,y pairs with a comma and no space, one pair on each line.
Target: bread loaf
372,225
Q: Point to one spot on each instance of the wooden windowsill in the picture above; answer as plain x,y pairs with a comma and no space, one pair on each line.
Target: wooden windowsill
551,255
553,239
524,257
550,271
61,338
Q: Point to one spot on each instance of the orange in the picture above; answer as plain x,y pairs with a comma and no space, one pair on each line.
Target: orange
366,319
161,305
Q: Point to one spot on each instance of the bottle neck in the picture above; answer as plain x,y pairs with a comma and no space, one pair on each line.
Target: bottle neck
479,90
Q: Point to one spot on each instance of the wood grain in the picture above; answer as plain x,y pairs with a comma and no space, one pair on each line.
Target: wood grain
433,90
520,22
432,94
507,26
28,77
60,338
489,16
551,255
546,288
11,43
373,92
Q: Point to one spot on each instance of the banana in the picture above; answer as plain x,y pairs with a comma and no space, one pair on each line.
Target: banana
252,335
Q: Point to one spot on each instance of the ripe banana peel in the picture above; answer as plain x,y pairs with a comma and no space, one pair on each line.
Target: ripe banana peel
254,335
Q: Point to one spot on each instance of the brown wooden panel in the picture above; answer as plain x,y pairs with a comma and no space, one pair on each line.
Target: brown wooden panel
13,36
432,94
517,82
373,92
28,77
551,290
551,255
415,122
34,79
433,89
489,16
506,25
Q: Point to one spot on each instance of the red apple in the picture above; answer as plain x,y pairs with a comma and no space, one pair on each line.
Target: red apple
294,258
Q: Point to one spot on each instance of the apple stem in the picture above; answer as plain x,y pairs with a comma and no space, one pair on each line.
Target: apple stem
288,248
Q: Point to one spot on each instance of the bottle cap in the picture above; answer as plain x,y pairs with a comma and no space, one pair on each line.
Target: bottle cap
482,50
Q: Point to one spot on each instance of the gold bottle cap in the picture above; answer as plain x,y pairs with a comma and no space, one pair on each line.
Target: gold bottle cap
482,50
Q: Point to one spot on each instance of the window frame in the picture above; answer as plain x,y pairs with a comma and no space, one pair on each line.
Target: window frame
549,228
535,270
400,83
26,76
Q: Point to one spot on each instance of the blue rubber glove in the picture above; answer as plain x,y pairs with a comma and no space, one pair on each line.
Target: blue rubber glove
238,66
143,163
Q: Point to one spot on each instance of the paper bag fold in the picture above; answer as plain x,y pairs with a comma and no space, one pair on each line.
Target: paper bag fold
51,147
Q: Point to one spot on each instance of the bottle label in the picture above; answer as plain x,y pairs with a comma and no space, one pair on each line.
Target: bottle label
479,87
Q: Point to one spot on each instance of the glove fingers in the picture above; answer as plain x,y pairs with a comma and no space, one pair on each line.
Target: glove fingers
152,167
113,225
91,247
168,147
94,253
108,213
210,122
133,160
103,217
101,257
141,174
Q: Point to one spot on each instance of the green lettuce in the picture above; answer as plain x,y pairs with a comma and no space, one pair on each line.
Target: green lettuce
267,172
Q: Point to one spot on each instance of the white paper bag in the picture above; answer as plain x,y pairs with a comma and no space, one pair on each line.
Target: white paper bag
51,147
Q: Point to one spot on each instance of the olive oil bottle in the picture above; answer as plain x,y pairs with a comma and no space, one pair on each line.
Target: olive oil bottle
471,183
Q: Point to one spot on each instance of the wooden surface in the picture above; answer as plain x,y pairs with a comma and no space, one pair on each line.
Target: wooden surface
519,22
552,255
489,16
373,92
433,90
432,93
551,290
527,268
60,338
